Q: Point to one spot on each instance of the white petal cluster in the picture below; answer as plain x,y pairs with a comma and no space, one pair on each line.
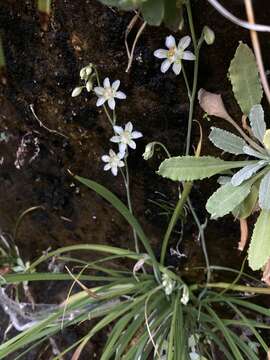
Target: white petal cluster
174,55
109,93
125,137
114,161
168,284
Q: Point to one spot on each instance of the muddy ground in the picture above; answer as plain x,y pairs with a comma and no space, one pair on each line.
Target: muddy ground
42,69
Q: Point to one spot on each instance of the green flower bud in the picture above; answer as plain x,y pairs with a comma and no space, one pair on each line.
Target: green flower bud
77,91
266,139
89,85
149,151
208,35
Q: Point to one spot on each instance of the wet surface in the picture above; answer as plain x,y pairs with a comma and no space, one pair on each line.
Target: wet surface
42,69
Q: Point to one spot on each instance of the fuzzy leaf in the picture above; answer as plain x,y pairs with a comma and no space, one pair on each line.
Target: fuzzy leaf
188,168
244,77
153,11
259,249
264,193
227,141
245,208
246,172
251,152
226,198
256,119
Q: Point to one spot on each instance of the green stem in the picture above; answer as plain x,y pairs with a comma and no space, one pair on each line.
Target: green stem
187,186
126,180
176,214
186,82
229,286
164,148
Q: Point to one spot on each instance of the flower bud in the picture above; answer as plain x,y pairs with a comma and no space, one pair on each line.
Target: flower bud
89,85
208,35
149,151
77,91
212,104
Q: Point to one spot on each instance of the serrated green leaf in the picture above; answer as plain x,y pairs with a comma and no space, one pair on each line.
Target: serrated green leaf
246,172
226,198
153,11
173,15
189,168
227,141
264,193
256,119
245,208
244,77
259,249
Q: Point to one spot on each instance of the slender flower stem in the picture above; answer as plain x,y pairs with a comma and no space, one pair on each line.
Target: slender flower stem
164,148
176,214
188,185
186,81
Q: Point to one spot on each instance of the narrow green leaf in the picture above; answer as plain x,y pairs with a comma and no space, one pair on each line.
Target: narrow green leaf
188,168
246,172
227,141
256,118
153,11
259,249
264,192
245,208
244,77
226,198
123,210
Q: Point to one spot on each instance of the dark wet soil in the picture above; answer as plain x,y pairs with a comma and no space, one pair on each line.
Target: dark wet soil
42,69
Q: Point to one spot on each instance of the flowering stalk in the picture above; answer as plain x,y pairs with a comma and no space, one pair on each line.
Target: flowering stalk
192,95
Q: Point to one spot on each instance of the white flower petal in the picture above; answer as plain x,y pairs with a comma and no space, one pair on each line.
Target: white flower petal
177,68
132,144
121,163
136,135
129,127
115,85
184,42
118,129
121,155
165,66
120,95
115,139
99,90
107,167
112,153
114,170
188,55
122,149
100,101
170,41
106,83
161,54
105,158
111,103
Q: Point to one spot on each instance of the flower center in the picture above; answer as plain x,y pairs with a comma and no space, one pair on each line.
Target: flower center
171,53
108,93
126,137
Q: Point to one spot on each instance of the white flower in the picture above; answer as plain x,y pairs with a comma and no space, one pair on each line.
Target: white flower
175,54
185,295
77,91
86,71
168,284
114,161
108,93
125,137
149,150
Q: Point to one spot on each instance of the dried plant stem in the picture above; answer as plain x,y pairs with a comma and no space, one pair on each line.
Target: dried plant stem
247,25
257,49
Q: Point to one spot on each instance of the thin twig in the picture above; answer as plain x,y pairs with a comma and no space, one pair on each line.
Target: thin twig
44,126
224,12
128,30
139,33
257,49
